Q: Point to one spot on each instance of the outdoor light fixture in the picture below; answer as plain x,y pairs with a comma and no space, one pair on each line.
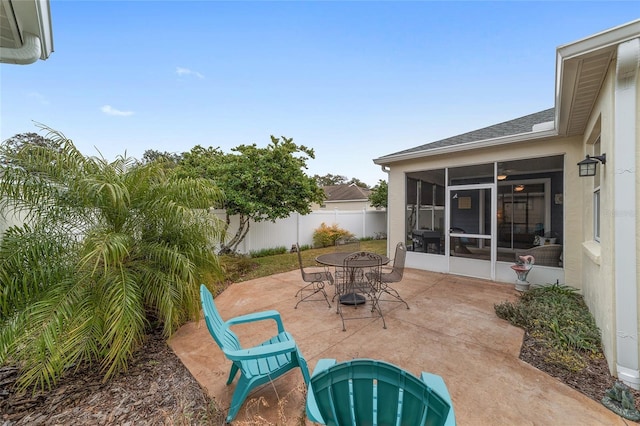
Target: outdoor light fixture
502,177
587,167
519,188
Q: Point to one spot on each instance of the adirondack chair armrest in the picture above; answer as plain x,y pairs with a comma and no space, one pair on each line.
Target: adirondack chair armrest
313,412
258,316
436,383
263,351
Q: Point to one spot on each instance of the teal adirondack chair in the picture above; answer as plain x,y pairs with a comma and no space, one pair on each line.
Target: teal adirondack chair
257,365
371,392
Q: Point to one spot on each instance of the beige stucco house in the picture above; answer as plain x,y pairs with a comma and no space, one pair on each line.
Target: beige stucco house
25,31
470,203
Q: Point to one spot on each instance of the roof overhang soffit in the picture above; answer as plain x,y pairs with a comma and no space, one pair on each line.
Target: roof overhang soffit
581,69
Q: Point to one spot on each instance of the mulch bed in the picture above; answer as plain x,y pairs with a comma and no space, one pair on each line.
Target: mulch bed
156,390
592,381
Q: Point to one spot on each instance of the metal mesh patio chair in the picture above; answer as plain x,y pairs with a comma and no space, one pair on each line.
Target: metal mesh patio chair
358,284
345,245
315,282
386,278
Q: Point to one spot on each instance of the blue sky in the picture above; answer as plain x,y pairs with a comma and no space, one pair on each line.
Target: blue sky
352,80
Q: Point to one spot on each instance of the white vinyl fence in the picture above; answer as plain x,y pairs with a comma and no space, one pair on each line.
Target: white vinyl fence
285,232
299,229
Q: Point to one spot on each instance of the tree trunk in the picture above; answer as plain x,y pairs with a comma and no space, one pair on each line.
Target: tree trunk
243,228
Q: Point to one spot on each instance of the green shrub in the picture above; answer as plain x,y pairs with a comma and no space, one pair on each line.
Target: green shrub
109,250
268,252
557,316
326,236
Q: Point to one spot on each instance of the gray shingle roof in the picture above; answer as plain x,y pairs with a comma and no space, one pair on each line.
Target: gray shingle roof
508,128
345,192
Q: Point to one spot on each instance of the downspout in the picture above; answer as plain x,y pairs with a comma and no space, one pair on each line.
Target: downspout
28,53
625,215
386,170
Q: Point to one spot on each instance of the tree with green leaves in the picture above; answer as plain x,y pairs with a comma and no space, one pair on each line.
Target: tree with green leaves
107,250
329,179
379,194
16,142
259,183
358,182
170,158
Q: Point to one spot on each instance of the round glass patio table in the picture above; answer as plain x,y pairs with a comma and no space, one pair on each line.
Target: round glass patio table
336,260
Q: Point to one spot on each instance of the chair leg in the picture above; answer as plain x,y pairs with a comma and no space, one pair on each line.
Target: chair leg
316,287
239,395
302,363
393,293
232,373
375,303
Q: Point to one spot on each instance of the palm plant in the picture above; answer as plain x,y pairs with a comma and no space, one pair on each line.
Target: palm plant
106,250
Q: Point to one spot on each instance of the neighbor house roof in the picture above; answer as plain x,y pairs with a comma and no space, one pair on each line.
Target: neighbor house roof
345,192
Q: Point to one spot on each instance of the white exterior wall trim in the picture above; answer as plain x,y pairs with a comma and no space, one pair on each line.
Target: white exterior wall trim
625,214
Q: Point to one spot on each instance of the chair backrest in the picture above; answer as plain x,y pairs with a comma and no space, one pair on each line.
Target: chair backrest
366,391
347,245
398,263
305,276
364,261
221,333
299,257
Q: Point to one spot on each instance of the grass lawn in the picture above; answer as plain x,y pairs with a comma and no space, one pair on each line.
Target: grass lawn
245,268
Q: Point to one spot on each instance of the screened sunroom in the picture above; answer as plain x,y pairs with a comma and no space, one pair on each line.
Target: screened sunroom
469,220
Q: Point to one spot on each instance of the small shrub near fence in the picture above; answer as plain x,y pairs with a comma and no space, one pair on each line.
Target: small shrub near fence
268,252
326,236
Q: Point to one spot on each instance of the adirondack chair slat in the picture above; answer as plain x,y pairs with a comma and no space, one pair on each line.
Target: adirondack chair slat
372,392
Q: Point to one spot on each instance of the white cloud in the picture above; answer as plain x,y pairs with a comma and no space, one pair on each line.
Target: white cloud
186,71
107,109
39,97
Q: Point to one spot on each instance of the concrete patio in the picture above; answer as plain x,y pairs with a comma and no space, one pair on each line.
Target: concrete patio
450,330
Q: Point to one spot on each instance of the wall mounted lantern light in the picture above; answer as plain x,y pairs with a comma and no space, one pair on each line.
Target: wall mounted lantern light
587,167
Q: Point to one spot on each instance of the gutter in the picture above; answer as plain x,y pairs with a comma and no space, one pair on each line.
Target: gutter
28,53
387,170
30,25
